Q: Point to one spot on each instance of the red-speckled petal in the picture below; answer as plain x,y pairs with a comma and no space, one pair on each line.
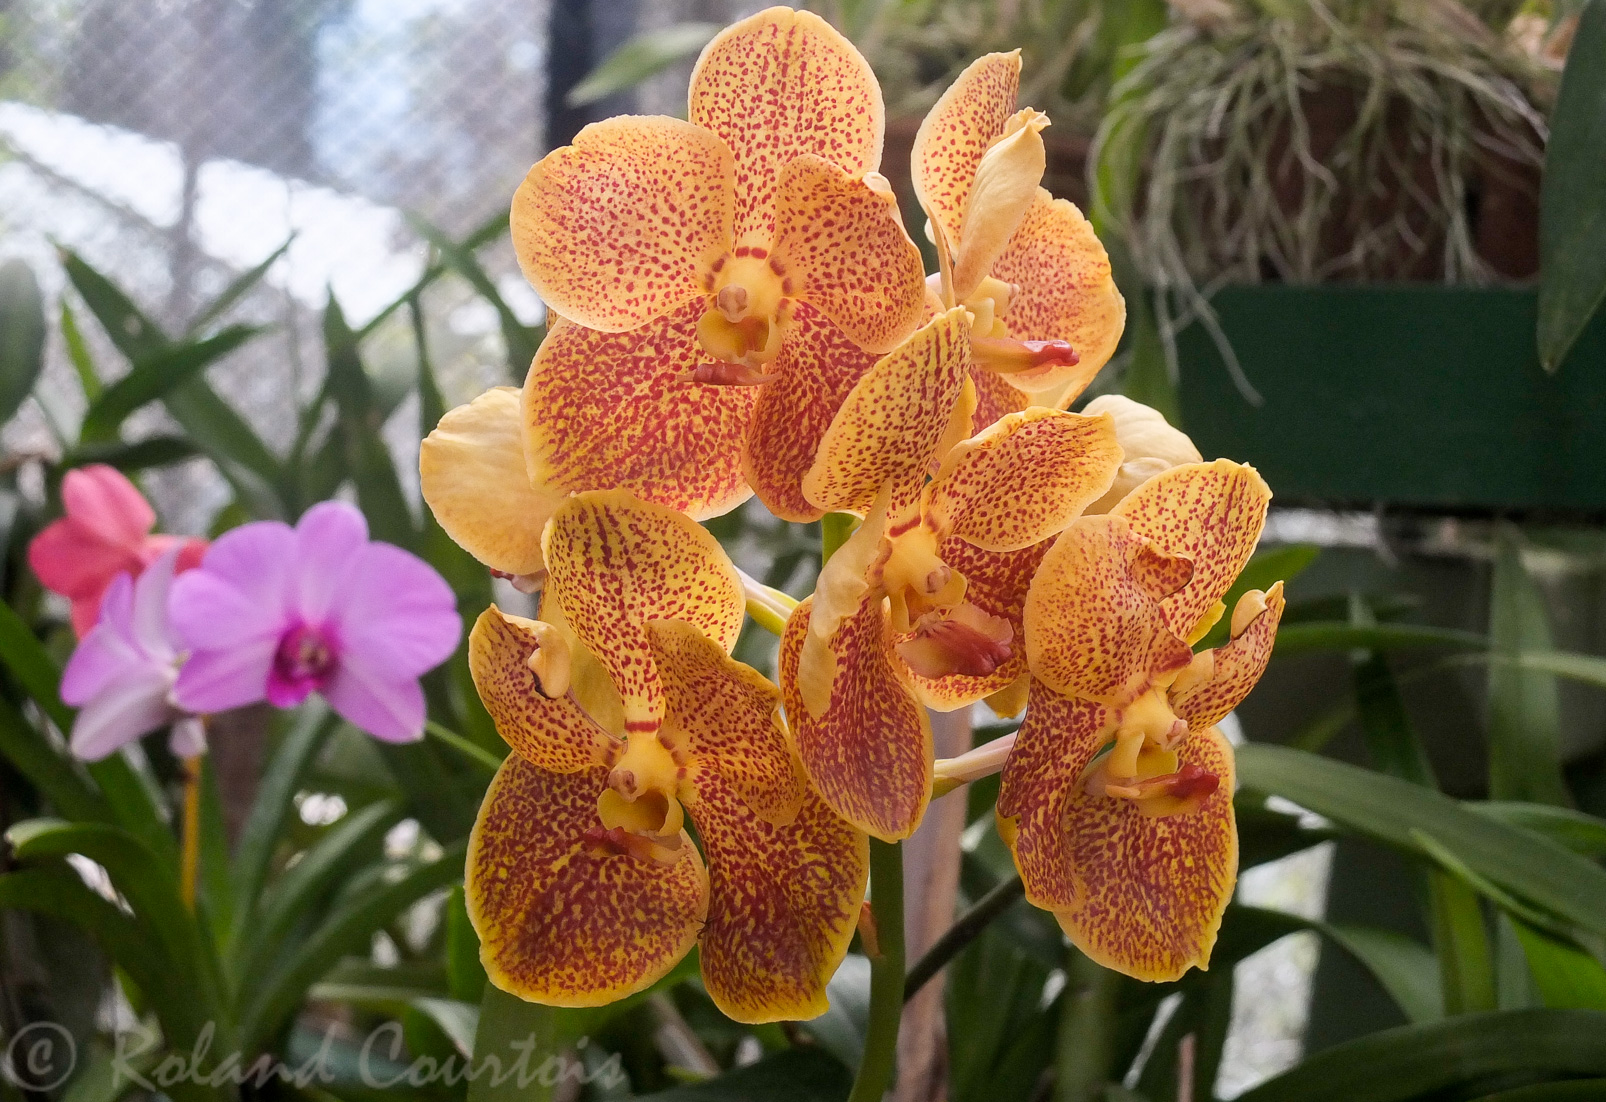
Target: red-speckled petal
613,563
1237,666
1211,513
869,753
1066,293
1148,893
775,86
732,716
1056,741
996,397
1092,628
997,582
475,482
956,132
841,246
620,227
564,921
817,367
1025,478
783,905
891,424
609,411
554,733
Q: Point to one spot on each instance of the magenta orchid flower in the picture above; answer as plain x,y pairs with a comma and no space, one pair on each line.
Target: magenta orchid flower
276,613
121,676
105,532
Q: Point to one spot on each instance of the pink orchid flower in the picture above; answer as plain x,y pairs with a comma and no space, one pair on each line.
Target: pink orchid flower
120,678
106,532
275,613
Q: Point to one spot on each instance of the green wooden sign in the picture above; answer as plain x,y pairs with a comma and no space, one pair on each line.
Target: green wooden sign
1420,396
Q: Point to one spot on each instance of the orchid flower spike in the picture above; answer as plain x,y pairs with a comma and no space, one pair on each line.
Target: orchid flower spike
106,532
275,613
120,678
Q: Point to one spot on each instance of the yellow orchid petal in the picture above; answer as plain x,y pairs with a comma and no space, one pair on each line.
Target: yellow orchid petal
996,397
1149,445
1005,188
1235,667
1093,619
565,918
1024,478
543,723
956,133
1065,292
613,563
730,714
775,86
996,585
474,478
816,370
1148,893
889,427
868,754
617,410
622,226
1010,701
1056,741
784,903
1210,513
840,246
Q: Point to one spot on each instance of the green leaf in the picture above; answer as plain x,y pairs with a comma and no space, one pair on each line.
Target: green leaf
643,56
224,436
153,451
1466,963
78,352
1391,739
509,1026
22,335
796,1075
1338,635
1407,970
1574,1090
1567,977
1389,810
1414,1061
521,340
238,289
52,772
1572,196
155,375
347,930
1148,373
25,656
464,971
1524,711
131,332
1577,831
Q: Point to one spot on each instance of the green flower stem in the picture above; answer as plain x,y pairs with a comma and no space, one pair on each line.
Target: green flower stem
478,755
886,973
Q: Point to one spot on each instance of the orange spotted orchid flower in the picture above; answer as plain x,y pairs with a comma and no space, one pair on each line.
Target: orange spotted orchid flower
1117,793
755,243
921,607
1028,266
628,717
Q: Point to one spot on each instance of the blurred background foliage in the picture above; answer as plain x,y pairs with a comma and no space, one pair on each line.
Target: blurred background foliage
1423,814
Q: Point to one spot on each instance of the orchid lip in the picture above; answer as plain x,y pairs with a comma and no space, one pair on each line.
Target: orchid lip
1007,356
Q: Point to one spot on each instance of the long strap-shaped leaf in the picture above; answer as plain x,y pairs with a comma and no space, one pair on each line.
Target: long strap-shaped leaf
1416,1060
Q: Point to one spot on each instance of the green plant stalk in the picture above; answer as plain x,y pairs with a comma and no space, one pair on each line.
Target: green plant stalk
886,973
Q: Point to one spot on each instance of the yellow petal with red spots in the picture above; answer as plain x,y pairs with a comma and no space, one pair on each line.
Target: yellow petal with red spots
613,563
563,918
1024,478
817,368
1148,892
840,245
783,905
1211,513
1055,743
617,410
996,583
775,86
1066,292
868,754
1005,188
730,715
542,722
956,133
996,397
1094,625
621,227
1236,667
892,422
472,471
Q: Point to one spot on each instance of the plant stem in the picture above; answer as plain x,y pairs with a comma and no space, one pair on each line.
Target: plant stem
191,852
966,929
478,755
886,973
